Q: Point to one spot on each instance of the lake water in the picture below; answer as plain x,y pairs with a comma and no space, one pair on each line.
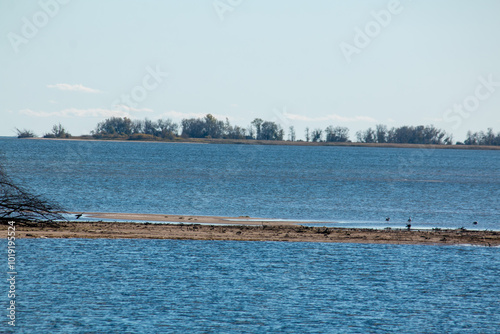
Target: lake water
350,186
171,286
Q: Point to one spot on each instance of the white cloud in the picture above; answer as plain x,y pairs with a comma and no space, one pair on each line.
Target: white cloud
332,117
123,111
92,112
75,88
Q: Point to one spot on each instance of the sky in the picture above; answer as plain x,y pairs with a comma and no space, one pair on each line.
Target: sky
298,63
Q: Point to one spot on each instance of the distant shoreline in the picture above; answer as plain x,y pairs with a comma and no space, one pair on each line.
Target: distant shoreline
209,228
276,142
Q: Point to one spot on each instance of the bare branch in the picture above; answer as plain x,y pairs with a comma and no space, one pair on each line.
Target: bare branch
18,203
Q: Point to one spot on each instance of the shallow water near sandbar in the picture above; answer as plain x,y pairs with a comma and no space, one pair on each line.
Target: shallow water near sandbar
172,286
356,186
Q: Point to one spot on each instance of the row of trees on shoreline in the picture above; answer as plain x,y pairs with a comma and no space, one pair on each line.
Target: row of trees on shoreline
405,135
259,129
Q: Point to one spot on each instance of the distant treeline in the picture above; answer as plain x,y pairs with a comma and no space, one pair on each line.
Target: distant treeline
405,135
206,127
126,128
482,138
259,129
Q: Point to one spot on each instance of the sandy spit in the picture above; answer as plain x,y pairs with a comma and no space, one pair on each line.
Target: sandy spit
256,232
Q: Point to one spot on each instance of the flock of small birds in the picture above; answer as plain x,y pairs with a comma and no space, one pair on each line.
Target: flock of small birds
77,216
389,218
409,221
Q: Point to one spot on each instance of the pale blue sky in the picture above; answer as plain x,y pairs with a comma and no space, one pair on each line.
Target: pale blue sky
277,60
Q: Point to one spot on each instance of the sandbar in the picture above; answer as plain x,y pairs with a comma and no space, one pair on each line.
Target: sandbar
223,228
214,220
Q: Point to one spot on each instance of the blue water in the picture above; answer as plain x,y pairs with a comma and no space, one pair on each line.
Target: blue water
350,186
170,286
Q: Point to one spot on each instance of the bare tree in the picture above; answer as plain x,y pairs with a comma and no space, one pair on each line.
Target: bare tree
258,127
337,134
316,135
368,136
18,203
291,135
250,132
25,133
58,131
